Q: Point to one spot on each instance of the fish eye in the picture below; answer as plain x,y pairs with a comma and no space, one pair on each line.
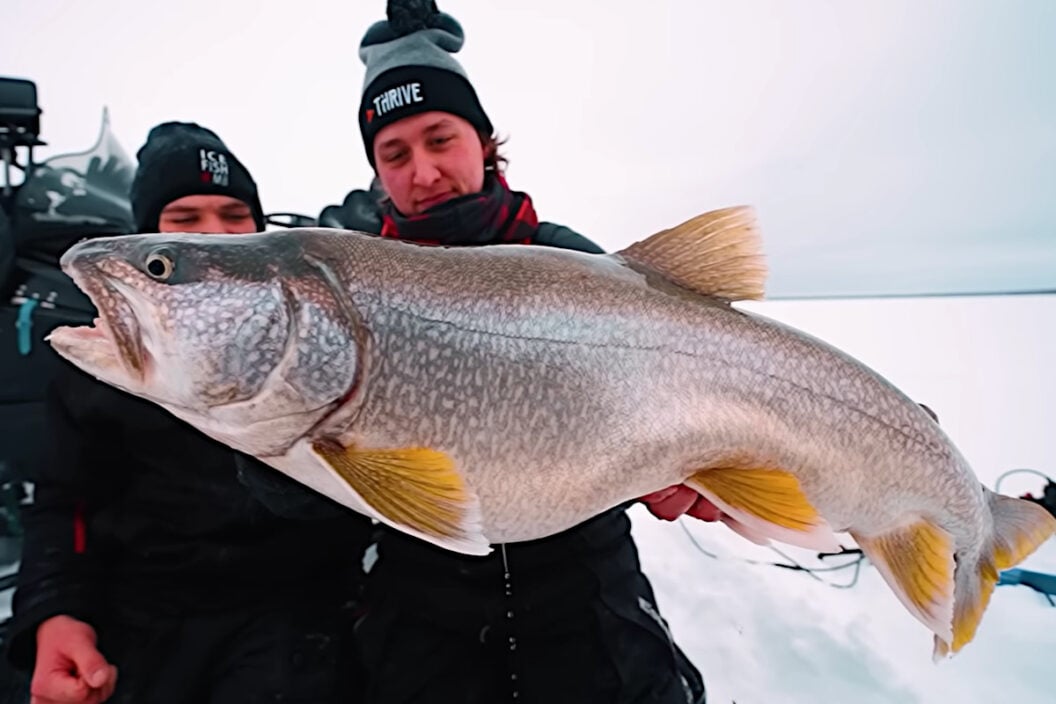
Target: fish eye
159,265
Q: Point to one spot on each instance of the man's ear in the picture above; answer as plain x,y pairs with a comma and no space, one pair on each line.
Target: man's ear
488,144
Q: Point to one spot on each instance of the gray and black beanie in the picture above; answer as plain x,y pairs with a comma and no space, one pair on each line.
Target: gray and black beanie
185,159
411,69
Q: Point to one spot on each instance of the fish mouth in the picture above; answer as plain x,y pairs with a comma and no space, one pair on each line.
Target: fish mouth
114,336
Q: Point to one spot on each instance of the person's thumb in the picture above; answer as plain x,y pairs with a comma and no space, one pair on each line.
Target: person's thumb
89,662
98,677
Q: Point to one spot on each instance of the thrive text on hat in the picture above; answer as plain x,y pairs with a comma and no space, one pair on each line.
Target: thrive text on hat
411,69
184,159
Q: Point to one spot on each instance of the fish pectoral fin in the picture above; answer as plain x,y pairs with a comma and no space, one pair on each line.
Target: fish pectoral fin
1020,527
917,562
768,504
416,490
719,253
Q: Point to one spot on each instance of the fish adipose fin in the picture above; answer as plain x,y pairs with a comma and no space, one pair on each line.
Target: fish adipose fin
718,254
763,504
416,490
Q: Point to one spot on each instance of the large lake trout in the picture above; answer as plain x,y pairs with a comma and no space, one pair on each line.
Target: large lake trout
474,396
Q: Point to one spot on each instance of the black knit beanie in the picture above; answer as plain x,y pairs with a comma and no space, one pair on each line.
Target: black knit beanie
411,69
184,159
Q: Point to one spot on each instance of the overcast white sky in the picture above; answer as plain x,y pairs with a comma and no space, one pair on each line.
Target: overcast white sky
889,146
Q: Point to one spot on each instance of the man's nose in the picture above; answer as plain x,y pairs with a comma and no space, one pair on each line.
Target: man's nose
426,172
212,224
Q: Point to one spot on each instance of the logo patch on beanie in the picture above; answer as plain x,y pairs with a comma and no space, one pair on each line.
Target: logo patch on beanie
398,97
214,167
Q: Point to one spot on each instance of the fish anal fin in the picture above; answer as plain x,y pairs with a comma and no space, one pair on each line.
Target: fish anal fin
916,560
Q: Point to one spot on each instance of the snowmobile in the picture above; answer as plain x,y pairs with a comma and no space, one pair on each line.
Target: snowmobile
44,208
60,200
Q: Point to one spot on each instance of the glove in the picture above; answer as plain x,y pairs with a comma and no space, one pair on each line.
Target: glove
361,211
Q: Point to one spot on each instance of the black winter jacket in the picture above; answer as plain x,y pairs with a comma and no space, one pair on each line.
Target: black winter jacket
134,509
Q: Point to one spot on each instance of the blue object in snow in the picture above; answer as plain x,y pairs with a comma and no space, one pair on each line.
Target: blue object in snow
1044,583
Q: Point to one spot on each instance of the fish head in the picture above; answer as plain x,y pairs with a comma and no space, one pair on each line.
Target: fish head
243,337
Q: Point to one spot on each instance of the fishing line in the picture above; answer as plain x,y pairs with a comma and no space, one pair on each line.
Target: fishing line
997,484
792,564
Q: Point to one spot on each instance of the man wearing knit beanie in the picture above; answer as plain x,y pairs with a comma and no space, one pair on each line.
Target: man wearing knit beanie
149,573
567,619
411,69
189,180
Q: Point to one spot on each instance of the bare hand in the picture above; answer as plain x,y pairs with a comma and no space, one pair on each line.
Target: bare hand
670,503
69,668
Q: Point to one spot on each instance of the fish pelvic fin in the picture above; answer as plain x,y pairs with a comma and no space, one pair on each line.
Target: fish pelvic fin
416,490
1019,528
917,562
718,253
763,504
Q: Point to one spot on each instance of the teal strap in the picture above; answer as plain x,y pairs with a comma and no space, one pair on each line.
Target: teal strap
25,325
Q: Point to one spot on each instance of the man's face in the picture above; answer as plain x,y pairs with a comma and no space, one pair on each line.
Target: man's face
207,214
427,159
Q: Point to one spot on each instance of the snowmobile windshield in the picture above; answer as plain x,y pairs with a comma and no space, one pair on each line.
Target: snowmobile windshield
69,197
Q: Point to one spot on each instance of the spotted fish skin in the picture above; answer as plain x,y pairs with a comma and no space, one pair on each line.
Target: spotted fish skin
474,396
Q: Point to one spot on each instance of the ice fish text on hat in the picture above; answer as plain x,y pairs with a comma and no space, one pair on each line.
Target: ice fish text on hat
215,169
396,97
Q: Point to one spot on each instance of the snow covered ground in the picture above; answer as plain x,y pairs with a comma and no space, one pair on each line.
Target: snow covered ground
761,634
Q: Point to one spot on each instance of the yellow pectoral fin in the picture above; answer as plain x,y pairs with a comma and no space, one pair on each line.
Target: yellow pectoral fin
769,502
917,563
417,490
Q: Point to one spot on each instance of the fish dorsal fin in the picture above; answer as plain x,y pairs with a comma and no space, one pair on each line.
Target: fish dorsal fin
717,254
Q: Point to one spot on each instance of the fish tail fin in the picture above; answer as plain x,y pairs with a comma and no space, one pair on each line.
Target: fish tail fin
1019,528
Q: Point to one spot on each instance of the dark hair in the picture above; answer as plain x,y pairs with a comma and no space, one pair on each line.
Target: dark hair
494,160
